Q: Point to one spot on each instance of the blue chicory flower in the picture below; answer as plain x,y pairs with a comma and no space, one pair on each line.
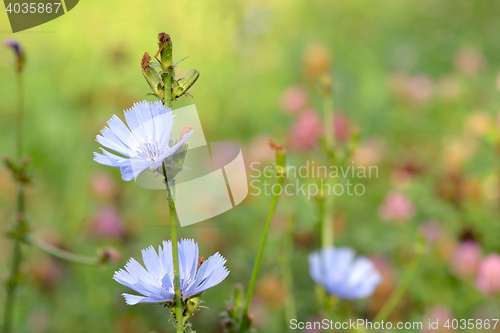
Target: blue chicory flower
342,274
156,282
145,143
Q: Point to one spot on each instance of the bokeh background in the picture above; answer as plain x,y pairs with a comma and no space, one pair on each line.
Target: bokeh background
417,81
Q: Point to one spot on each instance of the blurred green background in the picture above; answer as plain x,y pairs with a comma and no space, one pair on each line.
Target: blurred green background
418,80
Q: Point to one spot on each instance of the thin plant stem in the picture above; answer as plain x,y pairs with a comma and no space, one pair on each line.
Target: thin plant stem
20,99
327,232
290,308
167,101
168,91
256,266
328,117
398,293
59,253
20,224
11,287
175,253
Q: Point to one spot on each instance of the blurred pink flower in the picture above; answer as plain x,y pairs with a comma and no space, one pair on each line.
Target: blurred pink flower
488,278
397,207
294,99
341,127
107,223
420,88
439,313
431,231
465,259
306,131
103,185
469,61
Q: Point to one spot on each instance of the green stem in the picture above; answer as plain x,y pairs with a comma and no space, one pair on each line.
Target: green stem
259,255
20,224
20,115
398,293
59,253
328,117
167,78
290,308
327,232
11,287
175,253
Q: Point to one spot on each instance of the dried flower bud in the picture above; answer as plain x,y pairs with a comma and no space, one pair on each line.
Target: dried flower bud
165,51
275,146
146,58
110,255
280,158
152,77
185,130
163,38
201,260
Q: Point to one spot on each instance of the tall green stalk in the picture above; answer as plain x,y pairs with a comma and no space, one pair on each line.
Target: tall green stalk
326,211
20,231
20,102
175,251
20,224
286,263
398,293
256,266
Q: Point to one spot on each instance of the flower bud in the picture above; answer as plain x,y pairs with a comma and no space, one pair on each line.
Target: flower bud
201,260
110,255
146,58
191,306
280,158
182,86
238,295
185,130
152,77
19,170
175,163
165,50
19,53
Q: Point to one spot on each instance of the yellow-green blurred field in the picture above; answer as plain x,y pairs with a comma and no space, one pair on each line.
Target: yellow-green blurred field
418,80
